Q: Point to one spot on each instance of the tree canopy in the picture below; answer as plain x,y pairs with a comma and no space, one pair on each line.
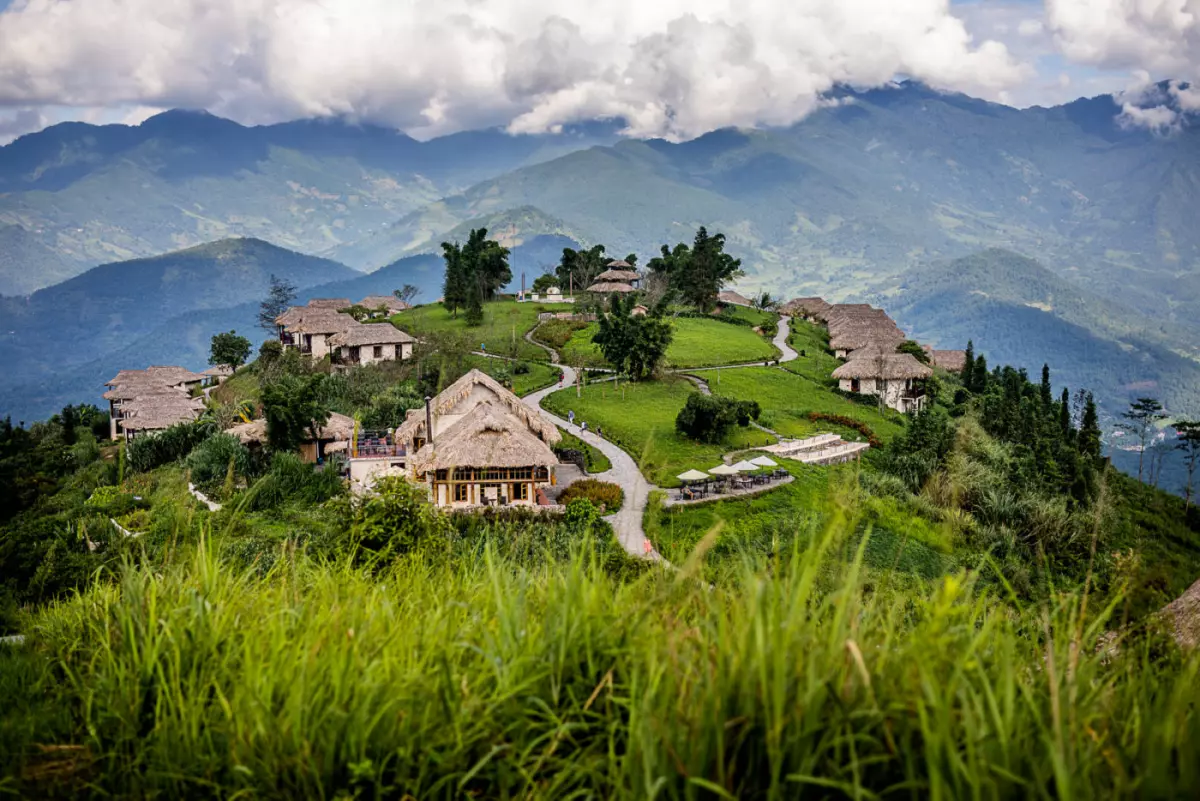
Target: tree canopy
293,410
475,272
229,349
579,268
634,344
698,273
280,295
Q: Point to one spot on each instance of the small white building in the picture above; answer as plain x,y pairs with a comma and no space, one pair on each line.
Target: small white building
898,377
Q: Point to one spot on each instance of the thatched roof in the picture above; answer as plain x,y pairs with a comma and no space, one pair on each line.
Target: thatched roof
856,338
619,264
835,320
359,334
320,321
337,427
618,276
817,307
887,366
1183,615
329,303
952,360
488,436
159,411
390,302
639,310
219,371
610,286
882,325
451,396
161,374
729,296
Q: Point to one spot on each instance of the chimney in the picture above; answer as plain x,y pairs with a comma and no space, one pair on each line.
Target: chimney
429,420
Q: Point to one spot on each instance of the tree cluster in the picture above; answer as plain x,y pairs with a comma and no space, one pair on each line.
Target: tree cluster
697,273
708,418
633,344
475,272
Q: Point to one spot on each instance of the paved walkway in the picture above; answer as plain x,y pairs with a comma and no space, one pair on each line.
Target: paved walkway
625,473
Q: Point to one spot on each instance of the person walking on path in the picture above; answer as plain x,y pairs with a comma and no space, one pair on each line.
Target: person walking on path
571,417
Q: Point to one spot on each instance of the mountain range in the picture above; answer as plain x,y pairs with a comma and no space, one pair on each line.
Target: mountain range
916,198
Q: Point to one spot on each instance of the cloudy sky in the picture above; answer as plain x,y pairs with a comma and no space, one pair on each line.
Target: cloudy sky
674,68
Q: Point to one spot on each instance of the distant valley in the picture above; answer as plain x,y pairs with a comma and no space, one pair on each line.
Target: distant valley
1046,234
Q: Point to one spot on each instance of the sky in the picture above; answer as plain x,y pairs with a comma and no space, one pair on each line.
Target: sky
670,68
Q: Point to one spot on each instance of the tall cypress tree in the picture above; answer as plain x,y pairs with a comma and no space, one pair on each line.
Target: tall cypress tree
968,371
1047,392
1089,429
1064,415
454,287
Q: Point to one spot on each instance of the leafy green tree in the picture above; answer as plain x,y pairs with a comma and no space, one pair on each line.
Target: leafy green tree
914,349
579,268
294,410
474,302
708,418
487,262
544,281
1189,443
1140,420
968,371
229,349
394,519
456,282
978,383
633,344
700,272
280,295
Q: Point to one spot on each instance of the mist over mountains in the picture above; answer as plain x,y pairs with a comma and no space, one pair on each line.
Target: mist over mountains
879,194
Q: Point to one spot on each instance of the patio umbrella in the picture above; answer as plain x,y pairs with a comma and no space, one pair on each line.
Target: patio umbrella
765,461
692,475
745,467
723,470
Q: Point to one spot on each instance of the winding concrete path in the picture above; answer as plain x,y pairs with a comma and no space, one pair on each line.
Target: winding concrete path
625,473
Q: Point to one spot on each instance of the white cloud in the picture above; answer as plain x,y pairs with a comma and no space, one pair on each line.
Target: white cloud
1031,27
1159,37
20,121
672,68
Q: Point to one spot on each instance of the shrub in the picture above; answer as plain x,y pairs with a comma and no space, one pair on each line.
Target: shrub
601,493
292,479
556,333
113,502
848,422
211,460
395,519
149,451
708,418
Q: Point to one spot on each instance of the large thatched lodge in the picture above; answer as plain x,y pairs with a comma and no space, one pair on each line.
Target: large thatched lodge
477,444
153,399
867,339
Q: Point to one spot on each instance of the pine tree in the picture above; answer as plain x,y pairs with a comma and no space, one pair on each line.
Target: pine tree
979,378
1189,443
1047,392
454,287
1089,429
1064,415
279,296
474,302
1139,420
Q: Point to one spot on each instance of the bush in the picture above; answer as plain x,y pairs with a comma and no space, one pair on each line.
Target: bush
708,418
148,451
211,460
113,502
395,519
601,493
292,479
556,333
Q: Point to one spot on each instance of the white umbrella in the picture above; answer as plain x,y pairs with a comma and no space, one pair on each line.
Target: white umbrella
765,461
692,475
723,470
744,466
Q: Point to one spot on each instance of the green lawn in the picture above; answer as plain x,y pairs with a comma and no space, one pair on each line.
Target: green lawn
540,374
787,398
817,363
765,526
697,343
640,418
502,331
752,316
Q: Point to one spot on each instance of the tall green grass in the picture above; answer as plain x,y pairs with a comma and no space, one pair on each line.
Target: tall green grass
457,676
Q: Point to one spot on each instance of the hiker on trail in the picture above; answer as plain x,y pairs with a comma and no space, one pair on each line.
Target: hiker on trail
483,346
599,432
571,416
583,426
646,546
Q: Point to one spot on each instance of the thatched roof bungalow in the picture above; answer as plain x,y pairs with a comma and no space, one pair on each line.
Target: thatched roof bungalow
368,343
845,342
389,303
334,435
896,378
731,298
487,447
807,308
157,397
619,276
